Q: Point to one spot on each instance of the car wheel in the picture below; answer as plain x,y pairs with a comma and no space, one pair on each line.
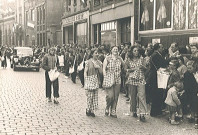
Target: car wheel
37,69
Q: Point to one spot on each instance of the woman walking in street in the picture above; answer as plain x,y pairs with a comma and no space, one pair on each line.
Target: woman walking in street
92,71
112,64
50,62
136,82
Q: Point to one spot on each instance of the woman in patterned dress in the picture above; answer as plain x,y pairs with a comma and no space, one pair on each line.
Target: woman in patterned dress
136,82
93,67
113,64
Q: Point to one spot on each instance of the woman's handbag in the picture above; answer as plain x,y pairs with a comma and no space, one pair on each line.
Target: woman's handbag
71,69
53,75
91,82
109,80
81,66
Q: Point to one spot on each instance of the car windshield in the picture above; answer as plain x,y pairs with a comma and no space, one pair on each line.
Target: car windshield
24,52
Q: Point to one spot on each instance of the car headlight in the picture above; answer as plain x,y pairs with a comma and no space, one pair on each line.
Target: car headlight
16,59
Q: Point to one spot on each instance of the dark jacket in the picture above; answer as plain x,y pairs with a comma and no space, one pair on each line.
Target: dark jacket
45,64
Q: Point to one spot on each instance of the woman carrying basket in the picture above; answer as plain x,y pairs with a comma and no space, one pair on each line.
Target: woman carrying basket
112,67
92,71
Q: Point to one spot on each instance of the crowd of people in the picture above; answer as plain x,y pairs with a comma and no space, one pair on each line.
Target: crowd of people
132,70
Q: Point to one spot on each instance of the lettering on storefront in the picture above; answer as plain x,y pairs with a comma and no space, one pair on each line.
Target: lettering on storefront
193,40
76,18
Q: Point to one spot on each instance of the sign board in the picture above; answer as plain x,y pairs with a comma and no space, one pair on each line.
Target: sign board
193,40
30,24
155,40
75,18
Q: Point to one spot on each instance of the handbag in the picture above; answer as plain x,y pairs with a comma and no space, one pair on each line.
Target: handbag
91,82
81,66
2,59
53,75
71,69
109,80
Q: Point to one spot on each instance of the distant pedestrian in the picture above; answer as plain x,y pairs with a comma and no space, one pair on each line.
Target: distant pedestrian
112,65
4,60
92,71
50,61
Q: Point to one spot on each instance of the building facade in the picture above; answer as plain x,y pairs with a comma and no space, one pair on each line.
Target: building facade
43,22
112,22
168,21
75,22
99,22
7,20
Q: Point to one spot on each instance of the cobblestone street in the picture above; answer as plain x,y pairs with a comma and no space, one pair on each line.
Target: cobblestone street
24,110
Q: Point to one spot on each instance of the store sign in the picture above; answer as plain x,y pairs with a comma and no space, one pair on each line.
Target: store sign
78,17
155,40
30,24
193,40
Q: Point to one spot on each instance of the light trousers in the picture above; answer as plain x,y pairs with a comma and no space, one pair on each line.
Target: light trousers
137,98
112,95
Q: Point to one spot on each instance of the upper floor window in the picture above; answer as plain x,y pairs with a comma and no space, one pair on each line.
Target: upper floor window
32,15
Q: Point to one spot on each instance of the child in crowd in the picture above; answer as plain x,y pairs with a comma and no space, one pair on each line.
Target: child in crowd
173,102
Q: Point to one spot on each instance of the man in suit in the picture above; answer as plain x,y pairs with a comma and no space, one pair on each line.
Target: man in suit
157,61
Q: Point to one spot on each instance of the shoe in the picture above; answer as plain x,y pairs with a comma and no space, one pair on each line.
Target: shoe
88,112
113,114
128,99
135,115
106,112
142,118
49,100
56,102
173,122
92,114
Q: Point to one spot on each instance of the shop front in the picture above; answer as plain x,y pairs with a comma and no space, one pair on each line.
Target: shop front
75,29
109,26
168,21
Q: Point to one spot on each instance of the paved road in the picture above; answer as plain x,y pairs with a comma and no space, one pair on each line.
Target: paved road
24,110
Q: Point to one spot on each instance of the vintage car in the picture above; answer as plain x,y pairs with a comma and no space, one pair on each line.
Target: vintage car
23,58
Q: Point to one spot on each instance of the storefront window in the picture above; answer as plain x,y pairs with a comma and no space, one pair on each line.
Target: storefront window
163,14
126,31
179,14
108,33
81,30
193,14
146,15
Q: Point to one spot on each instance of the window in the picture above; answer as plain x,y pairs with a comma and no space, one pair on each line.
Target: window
32,15
108,26
38,43
192,14
163,14
95,34
43,14
38,18
179,14
44,39
96,2
146,15
126,31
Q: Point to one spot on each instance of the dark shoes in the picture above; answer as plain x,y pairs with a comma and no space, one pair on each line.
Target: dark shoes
56,102
135,115
89,113
142,118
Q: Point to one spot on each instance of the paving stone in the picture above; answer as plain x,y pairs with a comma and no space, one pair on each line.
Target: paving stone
25,111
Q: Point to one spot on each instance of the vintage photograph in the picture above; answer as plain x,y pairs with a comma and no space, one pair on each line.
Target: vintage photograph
98,67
